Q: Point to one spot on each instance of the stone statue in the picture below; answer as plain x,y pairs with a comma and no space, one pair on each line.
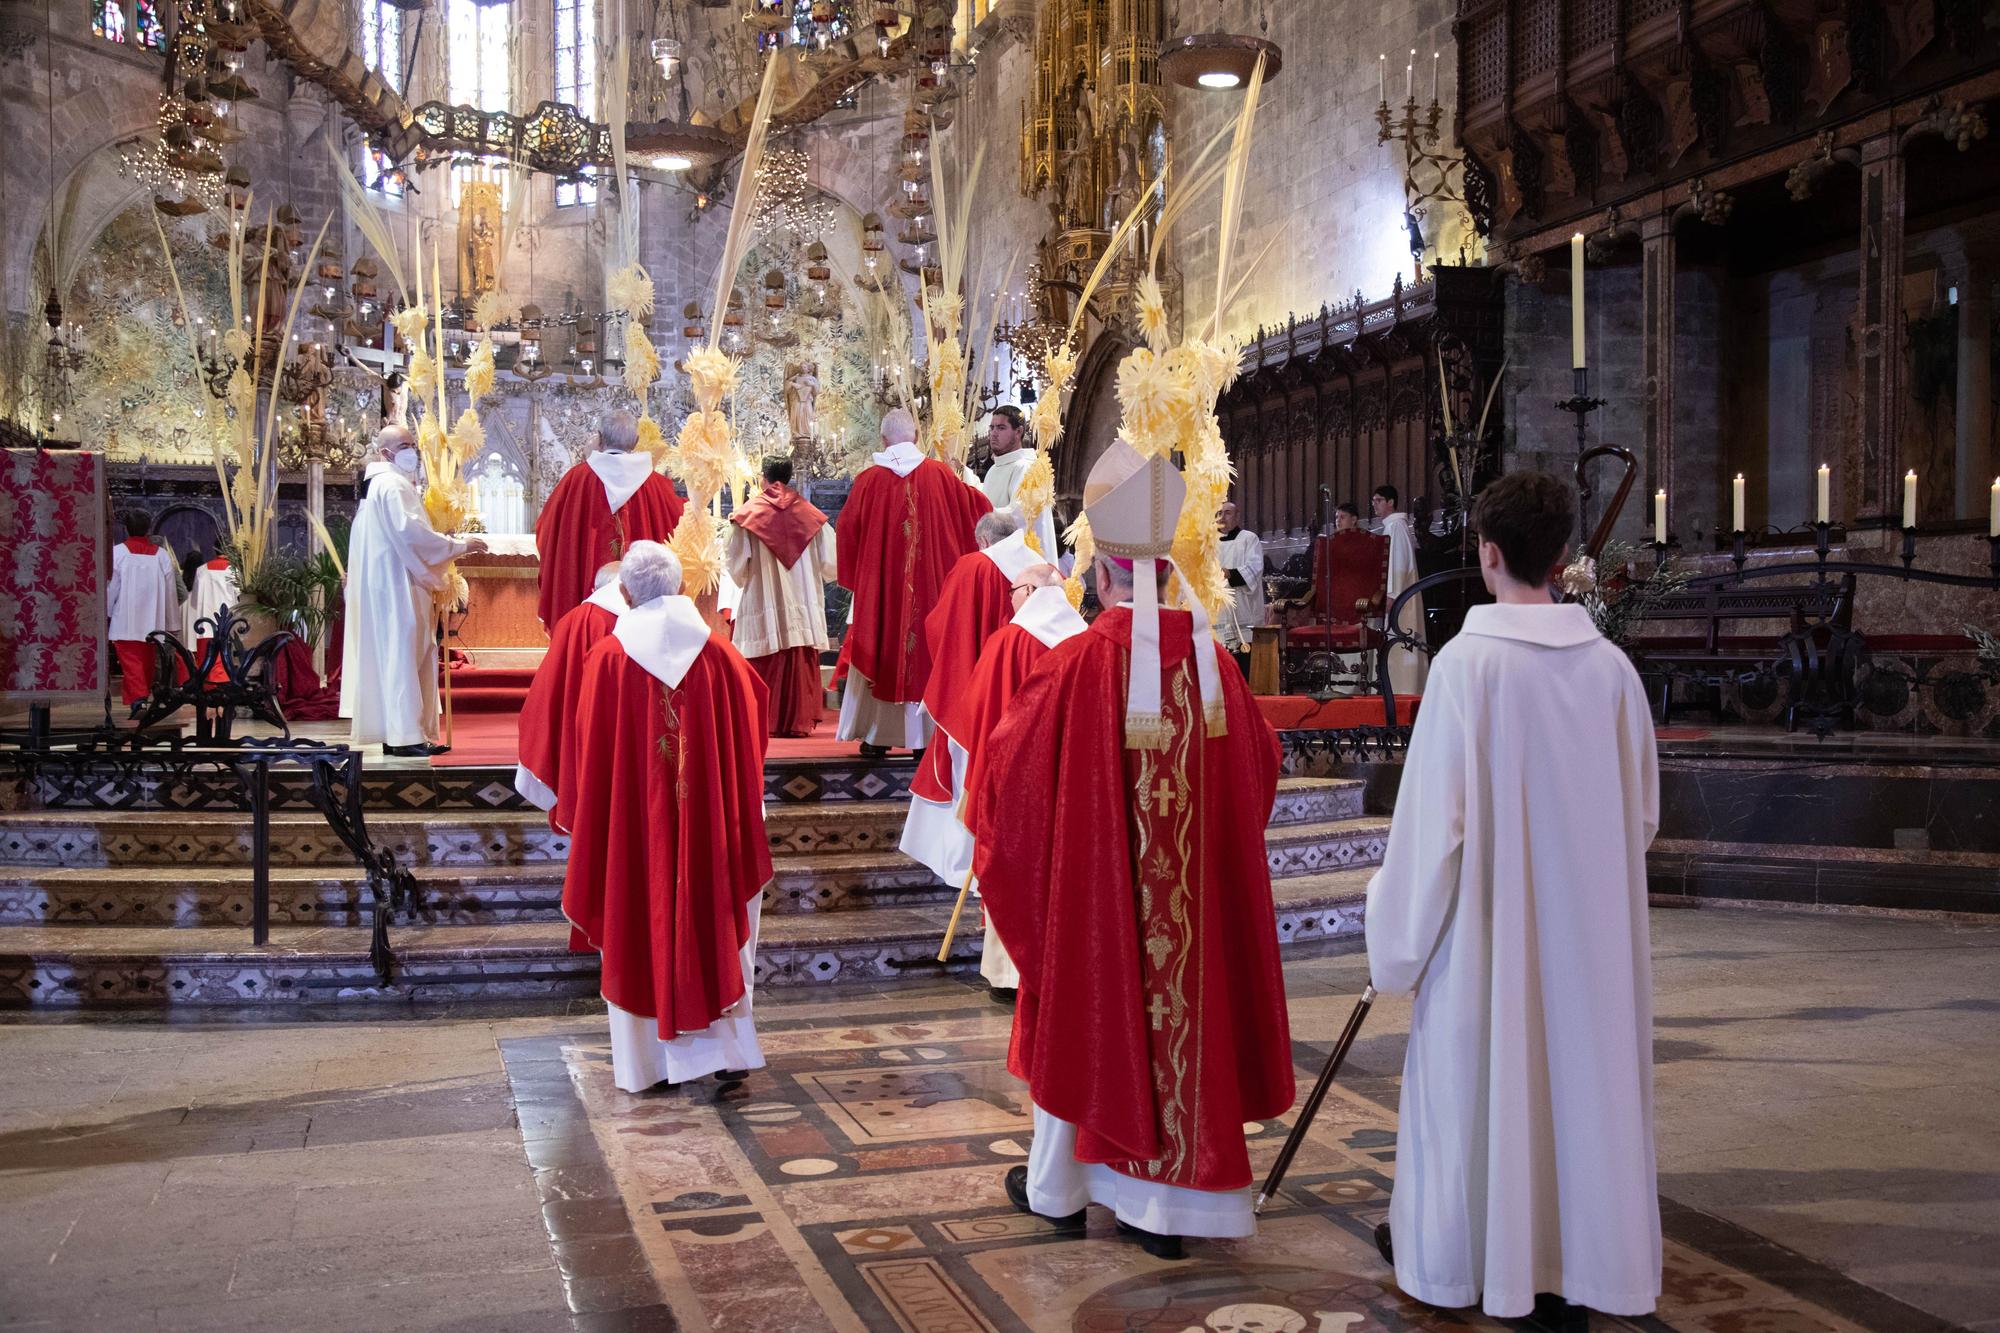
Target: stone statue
1077,162
801,397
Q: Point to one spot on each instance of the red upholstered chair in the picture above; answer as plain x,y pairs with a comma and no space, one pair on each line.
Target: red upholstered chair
1350,585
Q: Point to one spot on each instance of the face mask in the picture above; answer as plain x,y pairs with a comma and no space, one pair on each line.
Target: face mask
408,460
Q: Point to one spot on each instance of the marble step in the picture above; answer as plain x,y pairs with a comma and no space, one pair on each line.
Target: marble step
133,838
1689,872
474,894
67,967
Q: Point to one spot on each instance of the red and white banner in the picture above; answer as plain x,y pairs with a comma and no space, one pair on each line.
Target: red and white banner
52,576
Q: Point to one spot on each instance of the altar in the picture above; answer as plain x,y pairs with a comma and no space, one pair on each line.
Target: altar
499,627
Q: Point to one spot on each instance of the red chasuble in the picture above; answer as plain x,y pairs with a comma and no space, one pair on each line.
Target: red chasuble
899,537
667,847
976,601
547,734
782,519
578,532
1132,890
1010,657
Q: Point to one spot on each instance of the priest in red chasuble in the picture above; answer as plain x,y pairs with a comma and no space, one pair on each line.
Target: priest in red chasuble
595,511
1120,848
907,521
1042,619
975,602
780,556
547,727
668,854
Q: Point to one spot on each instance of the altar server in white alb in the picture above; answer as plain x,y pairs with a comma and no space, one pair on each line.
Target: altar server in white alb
395,565
144,595
1242,557
1407,667
1006,435
1512,902
213,589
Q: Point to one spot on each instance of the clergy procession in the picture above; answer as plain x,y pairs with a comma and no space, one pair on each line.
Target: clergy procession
1000,665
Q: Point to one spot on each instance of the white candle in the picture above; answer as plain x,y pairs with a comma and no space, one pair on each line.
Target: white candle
1660,517
1382,78
1993,514
1434,77
1738,508
1410,77
1910,498
1825,494
1576,358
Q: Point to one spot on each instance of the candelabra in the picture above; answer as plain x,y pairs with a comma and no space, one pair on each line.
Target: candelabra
1432,173
1582,404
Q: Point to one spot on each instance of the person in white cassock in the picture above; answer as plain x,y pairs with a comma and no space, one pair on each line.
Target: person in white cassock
1512,902
668,853
1242,558
1407,667
1006,434
395,567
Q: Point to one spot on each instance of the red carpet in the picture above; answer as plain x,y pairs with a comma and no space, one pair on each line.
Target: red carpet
486,739
479,690
1298,712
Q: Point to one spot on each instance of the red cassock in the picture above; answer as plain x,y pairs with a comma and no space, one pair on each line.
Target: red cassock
666,812
899,537
580,529
1132,890
974,603
548,735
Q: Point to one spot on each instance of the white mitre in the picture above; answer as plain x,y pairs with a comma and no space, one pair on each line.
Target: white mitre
1134,504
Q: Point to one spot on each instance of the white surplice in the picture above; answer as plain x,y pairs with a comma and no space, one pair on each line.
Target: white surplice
780,608
395,563
1243,553
1002,487
144,593
1407,667
1512,900
213,589
665,636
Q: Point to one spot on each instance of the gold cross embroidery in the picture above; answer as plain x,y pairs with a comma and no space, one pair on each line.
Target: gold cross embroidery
1163,797
1158,1009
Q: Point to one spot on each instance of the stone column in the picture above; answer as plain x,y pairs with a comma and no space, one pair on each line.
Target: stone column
1657,269
1878,317
1976,464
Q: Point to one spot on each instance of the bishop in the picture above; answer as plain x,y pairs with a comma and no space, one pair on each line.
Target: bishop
595,511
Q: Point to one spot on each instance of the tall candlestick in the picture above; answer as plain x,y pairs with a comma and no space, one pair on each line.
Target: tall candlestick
1910,498
1382,78
1825,494
1576,357
1993,514
1737,509
1434,77
1660,516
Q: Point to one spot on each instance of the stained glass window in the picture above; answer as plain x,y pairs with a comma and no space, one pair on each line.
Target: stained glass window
107,19
146,24
576,79
477,66
382,41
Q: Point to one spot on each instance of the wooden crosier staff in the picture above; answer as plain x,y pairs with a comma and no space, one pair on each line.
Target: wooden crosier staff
1592,550
958,909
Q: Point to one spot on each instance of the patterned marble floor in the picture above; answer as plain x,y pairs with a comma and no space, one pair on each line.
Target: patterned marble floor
855,1183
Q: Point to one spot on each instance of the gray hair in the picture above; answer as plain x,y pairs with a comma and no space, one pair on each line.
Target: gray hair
618,432
898,426
649,570
393,437
606,573
996,526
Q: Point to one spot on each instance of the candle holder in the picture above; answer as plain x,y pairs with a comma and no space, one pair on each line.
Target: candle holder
1993,560
1738,552
1909,548
1581,403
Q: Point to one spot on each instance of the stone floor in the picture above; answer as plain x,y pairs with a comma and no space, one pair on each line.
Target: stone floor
1825,1109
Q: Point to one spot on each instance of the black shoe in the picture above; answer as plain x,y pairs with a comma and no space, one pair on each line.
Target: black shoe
1160,1247
1557,1315
423,751
874,751
731,1075
1382,1246
1001,995
1017,1194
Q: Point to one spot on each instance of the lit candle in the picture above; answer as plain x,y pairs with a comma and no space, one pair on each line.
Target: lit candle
1576,301
1738,509
1993,514
1825,494
1382,78
1410,77
1434,77
1660,517
1910,498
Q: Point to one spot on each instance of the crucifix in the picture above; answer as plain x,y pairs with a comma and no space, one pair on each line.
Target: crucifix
1163,797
